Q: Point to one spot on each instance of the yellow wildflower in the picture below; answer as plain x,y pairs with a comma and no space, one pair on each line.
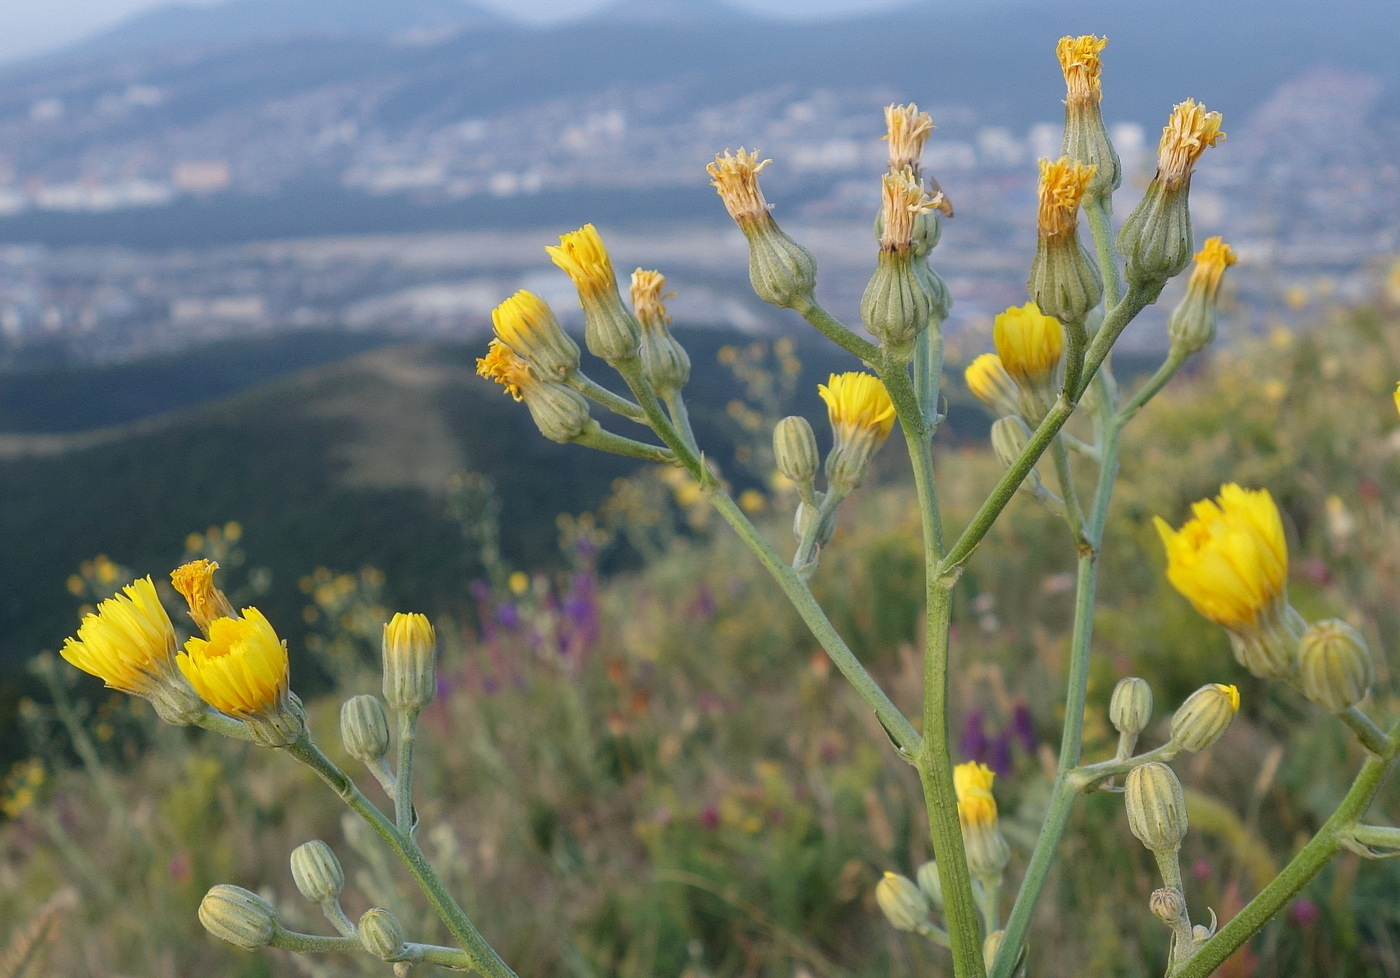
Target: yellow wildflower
989,382
526,324
241,668
1187,134
973,784
129,643
195,582
502,365
1211,262
584,259
857,401
1079,60
1061,188
410,653
1028,343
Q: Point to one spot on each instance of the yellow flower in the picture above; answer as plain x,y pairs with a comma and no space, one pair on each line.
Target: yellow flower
989,382
1029,343
735,178
1211,262
503,366
1061,188
1230,560
410,653
1397,397
857,402
973,784
195,582
907,129
902,200
526,324
241,669
1079,60
129,643
1187,134
584,259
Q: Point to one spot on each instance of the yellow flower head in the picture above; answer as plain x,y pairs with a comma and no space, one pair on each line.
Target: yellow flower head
1079,60
526,324
973,784
1230,560
195,582
1029,343
902,200
129,643
735,178
1187,134
857,403
1397,397
649,299
505,368
1211,262
907,129
1062,186
991,384
584,259
241,669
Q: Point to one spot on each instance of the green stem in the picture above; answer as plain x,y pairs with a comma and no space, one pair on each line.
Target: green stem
1378,837
835,330
1099,211
116,805
918,438
336,915
1371,736
606,441
935,765
1304,866
1074,513
613,402
896,724
680,416
990,897
482,957
1175,358
298,943
1085,779
631,371
928,372
404,816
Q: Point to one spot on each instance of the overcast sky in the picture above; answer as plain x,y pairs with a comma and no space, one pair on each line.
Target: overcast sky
32,26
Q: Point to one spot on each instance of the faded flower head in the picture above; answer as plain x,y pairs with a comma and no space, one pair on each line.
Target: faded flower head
1061,188
649,298
1211,261
902,200
907,130
1079,60
735,178
1187,134
502,365
195,582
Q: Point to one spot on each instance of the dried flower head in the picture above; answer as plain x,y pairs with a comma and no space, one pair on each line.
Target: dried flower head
735,178
649,298
195,582
1061,188
902,201
503,366
907,130
1079,60
1187,134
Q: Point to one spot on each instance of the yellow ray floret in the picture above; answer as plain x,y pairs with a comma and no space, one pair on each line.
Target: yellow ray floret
972,783
241,669
1230,560
1028,342
857,401
649,298
1211,262
1187,134
1079,60
735,179
907,129
505,368
1231,694
990,383
129,643
1061,188
584,259
523,320
195,582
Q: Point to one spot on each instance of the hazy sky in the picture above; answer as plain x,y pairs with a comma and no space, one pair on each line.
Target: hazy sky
31,26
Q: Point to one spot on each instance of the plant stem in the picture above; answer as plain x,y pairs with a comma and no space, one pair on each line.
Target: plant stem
404,819
1304,866
1175,358
1371,736
1378,837
935,765
917,437
836,331
613,402
680,416
928,372
482,957
1099,211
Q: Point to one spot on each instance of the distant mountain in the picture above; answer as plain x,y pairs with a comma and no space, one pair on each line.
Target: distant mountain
183,25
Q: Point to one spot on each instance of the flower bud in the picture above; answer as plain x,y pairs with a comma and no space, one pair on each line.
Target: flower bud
1086,137
895,306
940,297
1336,669
902,901
1156,806
991,946
1130,707
238,916
410,648
381,934
1192,323
795,449
1204,717
560,412
364,729
1009,439
931,883
526,324
862,416
782,271
1168,905
1064,282
317,872
609,328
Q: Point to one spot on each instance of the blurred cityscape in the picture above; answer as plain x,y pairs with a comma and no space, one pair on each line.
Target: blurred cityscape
93,163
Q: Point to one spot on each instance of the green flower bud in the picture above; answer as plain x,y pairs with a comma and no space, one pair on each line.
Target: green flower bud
317,872
1156,239
782,271
1269,648
665,364
795,449
1130,708
609,328
560,412
1335,665
381,934
1205,716
1064,282
1086,137
1156,807
940,296
238,916
931,883
1168,905
364,729
896,306
410,651
902,901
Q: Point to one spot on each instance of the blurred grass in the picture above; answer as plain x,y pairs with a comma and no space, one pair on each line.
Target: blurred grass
658,774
